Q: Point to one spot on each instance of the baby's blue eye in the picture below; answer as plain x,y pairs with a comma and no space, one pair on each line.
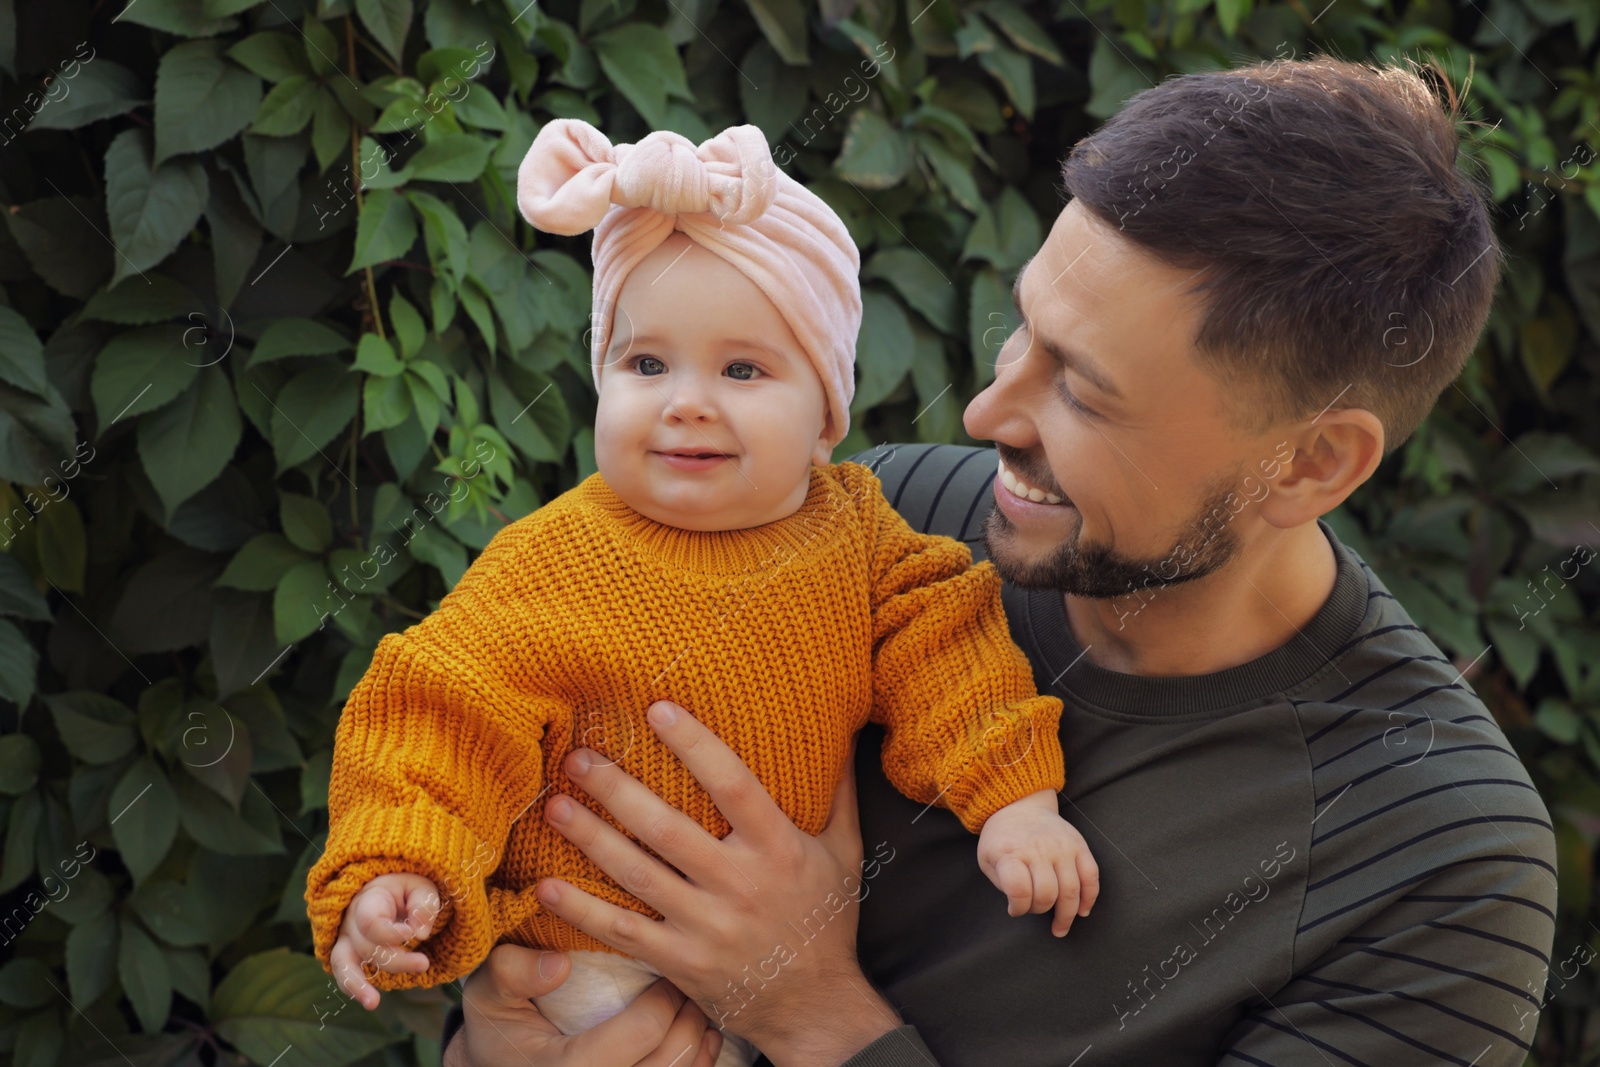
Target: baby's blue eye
742,371
650,365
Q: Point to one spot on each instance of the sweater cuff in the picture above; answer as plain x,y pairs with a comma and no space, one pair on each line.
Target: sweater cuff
900,1047
1019,753
370,841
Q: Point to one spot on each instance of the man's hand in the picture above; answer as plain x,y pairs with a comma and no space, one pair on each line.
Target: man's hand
387,912
1039,860
759,928
502,1027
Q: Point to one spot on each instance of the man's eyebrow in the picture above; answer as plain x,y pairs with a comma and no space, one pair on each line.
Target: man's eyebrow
1065,357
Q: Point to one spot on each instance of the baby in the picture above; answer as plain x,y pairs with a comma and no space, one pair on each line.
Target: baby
718,560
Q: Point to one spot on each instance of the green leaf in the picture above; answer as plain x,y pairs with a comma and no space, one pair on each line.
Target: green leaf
185,445
19,595
297,337
445,235
101,89
19,665
385,403
19,763
321,48
330,130
309,411
991,318
139,371
271,55
1229,13
276,999
919,283
874,155
34,432
150,208
201,100
169,911
641,61
389,21
386,230
1005,237
375,356
21,354
883,348
251,831
530,412
450,157
1113,75
783,23
141,301
187,18
22,833
25,983
143,811
64,240
301,601
91,952
223,8
95,728
145,978
261,564
1014,71
63,546
408,326
953,174
306,522
287,108
235,240
1548,342
1023,31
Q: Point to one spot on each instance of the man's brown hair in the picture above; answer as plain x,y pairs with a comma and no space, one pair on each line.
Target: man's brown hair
1340,254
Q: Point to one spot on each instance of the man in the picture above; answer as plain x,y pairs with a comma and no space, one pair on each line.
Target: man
1315,844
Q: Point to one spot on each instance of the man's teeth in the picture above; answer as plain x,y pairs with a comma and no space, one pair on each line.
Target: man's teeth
1022,488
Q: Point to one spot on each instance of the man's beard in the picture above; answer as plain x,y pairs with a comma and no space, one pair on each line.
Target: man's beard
1099,572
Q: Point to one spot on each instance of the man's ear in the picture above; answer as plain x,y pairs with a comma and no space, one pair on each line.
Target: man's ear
1333,454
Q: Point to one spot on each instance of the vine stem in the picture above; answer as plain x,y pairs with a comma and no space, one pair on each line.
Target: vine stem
355,160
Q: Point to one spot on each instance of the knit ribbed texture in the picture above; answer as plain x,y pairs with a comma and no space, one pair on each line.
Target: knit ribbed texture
783,639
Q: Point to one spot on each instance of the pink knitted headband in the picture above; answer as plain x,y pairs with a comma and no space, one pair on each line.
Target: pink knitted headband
728,197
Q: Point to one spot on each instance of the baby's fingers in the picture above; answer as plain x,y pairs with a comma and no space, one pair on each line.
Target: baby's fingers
1089,876
1066,874
346,964
1012,877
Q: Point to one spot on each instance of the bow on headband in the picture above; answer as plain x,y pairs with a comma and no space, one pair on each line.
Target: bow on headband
725,194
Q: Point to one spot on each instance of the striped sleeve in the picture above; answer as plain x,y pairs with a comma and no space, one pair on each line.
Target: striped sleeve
1429,905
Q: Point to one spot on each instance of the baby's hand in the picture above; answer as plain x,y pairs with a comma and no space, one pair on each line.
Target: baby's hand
388,911
1037,859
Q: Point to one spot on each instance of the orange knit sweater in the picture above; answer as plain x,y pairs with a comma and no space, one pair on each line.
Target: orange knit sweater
783,639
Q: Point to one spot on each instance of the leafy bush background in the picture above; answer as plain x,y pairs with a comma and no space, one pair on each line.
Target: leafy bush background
227,378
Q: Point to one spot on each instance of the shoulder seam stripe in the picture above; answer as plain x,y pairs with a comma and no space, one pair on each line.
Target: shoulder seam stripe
1418,796
1421,876
1478,820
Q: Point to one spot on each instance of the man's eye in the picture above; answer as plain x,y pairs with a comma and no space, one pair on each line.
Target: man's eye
1073,402
742,371
649,365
